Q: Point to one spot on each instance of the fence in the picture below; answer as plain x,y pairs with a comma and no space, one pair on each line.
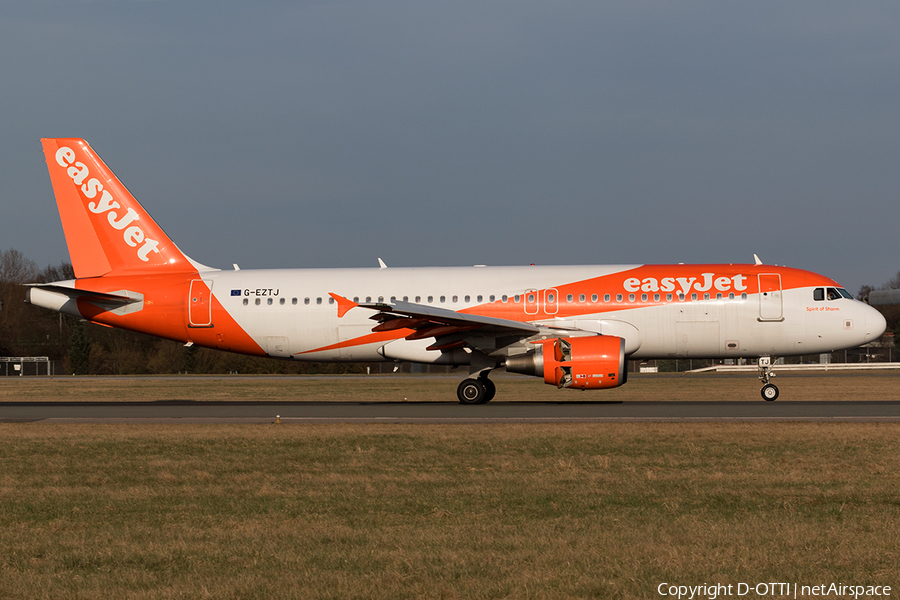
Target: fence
11,366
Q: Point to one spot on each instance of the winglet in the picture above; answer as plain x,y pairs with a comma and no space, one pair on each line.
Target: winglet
756,260
343,304
381,264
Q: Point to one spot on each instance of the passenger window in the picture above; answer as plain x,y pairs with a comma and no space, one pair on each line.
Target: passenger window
330,300
492,297
743,295
516,298
257,302
606,297
368,299
569,298
551,298
455,299
430,299
381,299
819,294
531,297
681,296
466,299
479,298
318,301
643,297
581,297
281,301
668,297
719,296
246,302
656,297
706,296
504,298
631,297
306,301
594,297
355,299
406,298
443,299
294,301
731,295
269,302
693,296
618,297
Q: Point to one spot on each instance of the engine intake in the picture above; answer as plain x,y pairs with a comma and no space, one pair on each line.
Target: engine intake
582,363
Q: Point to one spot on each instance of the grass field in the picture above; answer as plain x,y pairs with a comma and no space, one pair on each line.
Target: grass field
493,511
795,386
452,511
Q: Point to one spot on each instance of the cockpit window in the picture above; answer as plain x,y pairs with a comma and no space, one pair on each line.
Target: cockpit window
838,293
820,294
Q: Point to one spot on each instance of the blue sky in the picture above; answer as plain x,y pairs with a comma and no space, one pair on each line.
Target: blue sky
279,134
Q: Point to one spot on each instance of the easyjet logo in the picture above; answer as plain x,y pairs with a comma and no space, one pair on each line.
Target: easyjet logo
704,283
132,234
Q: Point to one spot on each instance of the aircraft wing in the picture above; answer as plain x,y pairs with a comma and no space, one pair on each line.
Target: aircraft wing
450,329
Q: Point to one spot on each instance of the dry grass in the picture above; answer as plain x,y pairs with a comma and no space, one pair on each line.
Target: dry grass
492,511
397,388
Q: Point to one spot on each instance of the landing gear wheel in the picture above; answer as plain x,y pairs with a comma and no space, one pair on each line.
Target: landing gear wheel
769,391
490,390
472,391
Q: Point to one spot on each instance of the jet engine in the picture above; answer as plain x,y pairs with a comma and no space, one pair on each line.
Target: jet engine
582,363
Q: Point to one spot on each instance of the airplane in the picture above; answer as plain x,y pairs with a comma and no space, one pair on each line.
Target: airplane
573,326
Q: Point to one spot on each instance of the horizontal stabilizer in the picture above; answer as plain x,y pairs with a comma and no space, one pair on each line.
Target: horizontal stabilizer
63,298
123,297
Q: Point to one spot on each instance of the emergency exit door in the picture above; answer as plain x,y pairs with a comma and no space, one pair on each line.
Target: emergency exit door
770,302
199,306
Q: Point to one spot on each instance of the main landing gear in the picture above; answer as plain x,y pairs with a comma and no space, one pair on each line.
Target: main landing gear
478,390
769,391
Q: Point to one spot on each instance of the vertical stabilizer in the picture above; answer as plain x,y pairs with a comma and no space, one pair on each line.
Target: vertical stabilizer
106,229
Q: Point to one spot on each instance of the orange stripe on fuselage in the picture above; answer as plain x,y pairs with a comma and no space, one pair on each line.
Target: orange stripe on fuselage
646,279
372,338
164,313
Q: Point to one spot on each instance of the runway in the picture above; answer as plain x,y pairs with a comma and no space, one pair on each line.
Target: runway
444,412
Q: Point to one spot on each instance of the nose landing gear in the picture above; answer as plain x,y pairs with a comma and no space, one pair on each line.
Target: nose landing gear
769,391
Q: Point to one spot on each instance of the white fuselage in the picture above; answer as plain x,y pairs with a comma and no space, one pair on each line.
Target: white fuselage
293,308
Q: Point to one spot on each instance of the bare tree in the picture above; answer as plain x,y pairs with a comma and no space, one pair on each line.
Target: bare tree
16,268
61,272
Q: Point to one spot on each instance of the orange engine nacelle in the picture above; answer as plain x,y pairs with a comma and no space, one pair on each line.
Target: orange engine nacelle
582,363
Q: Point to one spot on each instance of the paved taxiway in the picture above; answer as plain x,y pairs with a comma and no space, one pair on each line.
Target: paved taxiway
442,412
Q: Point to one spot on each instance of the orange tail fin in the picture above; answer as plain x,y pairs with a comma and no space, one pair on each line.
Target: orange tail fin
106,229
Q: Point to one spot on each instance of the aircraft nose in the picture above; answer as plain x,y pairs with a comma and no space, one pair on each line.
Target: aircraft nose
875,324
